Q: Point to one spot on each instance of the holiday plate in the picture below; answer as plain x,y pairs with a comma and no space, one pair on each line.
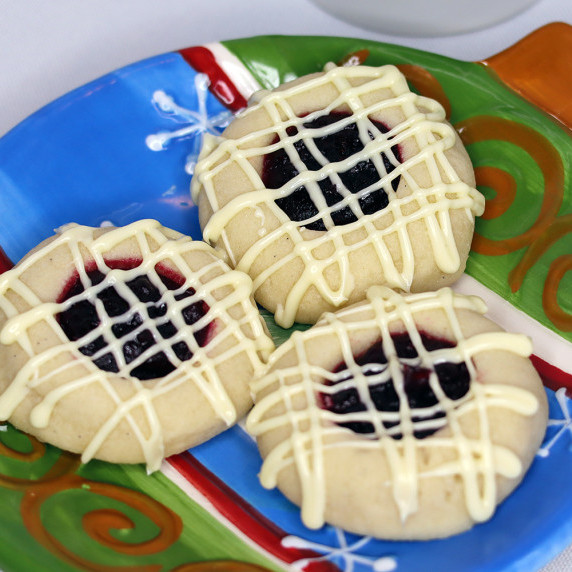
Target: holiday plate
123,147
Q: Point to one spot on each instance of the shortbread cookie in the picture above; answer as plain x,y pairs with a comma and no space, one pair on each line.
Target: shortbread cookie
335,182
126,344
400,417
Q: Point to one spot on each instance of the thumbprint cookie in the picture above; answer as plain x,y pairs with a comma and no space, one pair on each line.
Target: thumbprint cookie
335,182
126,344
399,417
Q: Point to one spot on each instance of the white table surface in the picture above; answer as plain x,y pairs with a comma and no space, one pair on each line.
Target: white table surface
48,47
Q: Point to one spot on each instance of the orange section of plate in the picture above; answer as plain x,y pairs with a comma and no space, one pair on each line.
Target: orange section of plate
531,68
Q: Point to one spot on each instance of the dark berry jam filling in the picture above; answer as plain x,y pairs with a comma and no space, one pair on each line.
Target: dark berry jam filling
278,169
82,317
454,379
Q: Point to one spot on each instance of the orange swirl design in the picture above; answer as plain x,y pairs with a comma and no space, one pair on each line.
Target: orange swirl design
65,464
354,58
558,268
548,227
484,127
37,452
98,523
426,84
504,185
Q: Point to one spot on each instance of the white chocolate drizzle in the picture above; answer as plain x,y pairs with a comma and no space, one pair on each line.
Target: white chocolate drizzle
423,123
201,369
313,430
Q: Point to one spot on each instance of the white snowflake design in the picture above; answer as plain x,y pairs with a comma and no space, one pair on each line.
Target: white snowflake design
195,122
345,552
564,424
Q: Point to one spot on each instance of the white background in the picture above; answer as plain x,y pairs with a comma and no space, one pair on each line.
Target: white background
48,47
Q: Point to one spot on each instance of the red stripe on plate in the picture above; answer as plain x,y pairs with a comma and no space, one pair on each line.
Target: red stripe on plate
204,61
5,262
242,514
553,377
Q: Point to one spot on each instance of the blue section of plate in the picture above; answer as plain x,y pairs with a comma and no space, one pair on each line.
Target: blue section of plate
85,159
530,527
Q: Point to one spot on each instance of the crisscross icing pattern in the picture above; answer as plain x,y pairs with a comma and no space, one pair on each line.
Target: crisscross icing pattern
417,122
63,359
313,430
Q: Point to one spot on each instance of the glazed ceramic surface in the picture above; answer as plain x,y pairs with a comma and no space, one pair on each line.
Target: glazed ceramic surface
122,148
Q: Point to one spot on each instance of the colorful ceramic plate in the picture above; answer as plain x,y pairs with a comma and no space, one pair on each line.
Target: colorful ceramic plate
122,148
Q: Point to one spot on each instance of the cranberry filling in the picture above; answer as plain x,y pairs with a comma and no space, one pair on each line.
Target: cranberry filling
299,206
454,379
82,317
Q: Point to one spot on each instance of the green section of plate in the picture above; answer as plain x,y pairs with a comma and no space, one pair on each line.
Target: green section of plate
279,334
473,91
138,508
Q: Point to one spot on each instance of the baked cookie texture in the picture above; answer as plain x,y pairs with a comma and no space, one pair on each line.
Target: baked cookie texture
400,417
127,344
335,182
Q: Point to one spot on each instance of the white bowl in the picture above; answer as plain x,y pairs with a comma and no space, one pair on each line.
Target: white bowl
423,17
